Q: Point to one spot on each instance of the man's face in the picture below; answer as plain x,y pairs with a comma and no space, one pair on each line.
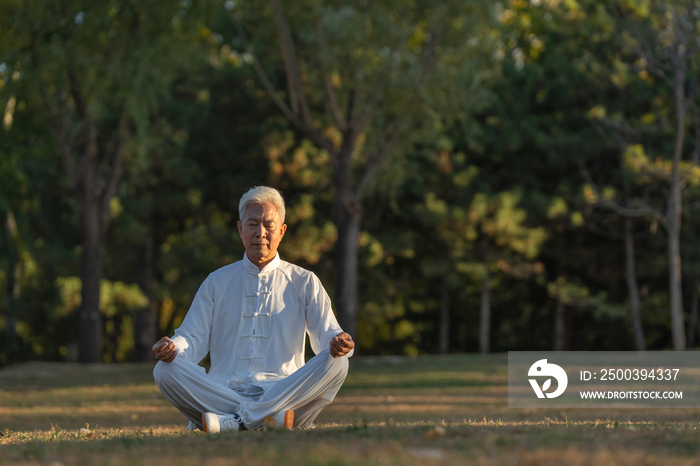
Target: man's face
261,231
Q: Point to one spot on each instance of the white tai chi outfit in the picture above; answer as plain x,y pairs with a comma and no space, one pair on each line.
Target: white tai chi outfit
253,324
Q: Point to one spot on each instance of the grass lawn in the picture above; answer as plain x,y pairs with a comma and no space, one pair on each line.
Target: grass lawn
428,410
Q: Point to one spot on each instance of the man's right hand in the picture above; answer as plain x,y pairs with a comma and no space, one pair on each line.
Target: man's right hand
165,350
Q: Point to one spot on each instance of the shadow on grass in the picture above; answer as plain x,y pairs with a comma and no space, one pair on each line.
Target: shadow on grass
52,375
365,372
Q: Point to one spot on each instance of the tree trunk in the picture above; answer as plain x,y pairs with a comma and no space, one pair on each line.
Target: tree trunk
11,342
90,327
346,252
445,317
632,290
560,326
94,194
346,216
144,321
675,210
114,337
693,321
485,325
674,258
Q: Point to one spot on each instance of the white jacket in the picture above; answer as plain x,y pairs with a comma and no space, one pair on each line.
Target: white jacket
253,321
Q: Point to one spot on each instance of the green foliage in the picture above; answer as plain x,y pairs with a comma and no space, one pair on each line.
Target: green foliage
508,144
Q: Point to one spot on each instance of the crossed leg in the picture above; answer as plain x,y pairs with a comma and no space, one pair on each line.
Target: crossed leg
306,391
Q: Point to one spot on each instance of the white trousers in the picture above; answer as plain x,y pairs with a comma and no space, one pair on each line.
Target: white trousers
307,391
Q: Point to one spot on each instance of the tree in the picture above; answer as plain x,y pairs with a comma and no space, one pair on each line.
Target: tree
502,243
346,90
607,68
99,69
627,239
663,34
14,182
565,294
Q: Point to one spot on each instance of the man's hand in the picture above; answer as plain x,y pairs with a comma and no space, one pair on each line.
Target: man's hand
341,345
165,350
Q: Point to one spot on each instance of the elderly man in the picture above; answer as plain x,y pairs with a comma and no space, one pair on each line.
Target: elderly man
252,316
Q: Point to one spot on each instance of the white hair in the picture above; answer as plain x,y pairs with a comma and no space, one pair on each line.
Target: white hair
261,195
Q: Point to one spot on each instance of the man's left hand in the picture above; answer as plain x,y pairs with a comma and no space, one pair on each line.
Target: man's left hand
341,345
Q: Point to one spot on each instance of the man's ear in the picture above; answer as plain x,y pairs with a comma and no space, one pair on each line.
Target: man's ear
283,230
240,228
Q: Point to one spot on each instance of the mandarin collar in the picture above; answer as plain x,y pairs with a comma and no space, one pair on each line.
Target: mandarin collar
269,268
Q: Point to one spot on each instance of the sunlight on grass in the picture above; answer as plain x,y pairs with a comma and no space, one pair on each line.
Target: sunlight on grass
386,413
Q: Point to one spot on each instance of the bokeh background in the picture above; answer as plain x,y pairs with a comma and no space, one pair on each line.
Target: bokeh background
463,176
